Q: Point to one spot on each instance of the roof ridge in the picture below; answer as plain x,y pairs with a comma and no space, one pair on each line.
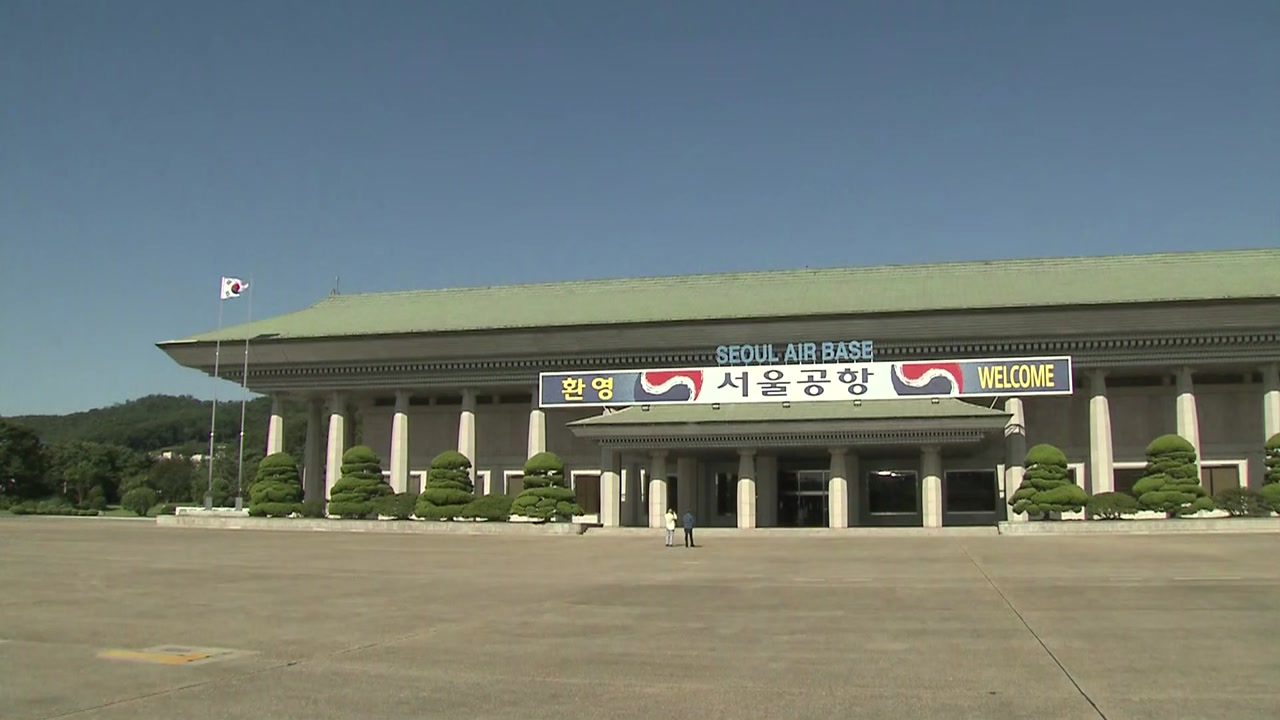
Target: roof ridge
793,273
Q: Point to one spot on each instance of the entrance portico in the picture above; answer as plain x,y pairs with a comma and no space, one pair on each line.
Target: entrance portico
832,464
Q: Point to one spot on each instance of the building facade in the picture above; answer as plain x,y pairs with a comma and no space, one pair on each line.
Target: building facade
1177,342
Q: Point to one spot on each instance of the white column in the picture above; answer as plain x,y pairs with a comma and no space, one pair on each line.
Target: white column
337,441
537,429
746,488
1101,461
467,429
687,486
610,489
400,443
931,485
657,488
1188,416
838,491
313,465
275,426
1270,401
1015,445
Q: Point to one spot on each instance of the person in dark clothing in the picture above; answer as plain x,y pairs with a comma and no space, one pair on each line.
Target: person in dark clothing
688,530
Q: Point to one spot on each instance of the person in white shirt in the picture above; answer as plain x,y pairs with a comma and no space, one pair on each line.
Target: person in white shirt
671,527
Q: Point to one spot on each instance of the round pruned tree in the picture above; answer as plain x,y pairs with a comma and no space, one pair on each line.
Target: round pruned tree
1171,482
353,496
277,489
1046,485
448,488
546,494
1271,453
1270,490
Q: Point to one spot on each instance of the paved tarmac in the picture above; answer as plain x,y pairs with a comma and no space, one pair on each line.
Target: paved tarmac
383,627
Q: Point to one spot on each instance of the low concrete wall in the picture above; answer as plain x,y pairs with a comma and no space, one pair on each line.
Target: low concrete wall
368,526
1162,526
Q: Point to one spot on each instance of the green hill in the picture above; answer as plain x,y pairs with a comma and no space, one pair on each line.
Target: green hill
95,458
167,422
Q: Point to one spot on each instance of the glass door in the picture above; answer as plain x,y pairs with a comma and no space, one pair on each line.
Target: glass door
802,498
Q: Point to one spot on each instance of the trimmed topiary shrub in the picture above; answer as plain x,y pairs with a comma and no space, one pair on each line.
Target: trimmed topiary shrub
448,487
489,507
1171,484
139,500
1046,485
397,507
1240,502
1112,505
546,494
1271,457
361,483
277,488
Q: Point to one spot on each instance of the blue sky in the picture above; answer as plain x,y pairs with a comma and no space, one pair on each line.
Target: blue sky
146,148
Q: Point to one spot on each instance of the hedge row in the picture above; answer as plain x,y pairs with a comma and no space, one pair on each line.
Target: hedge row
1170,484
361,491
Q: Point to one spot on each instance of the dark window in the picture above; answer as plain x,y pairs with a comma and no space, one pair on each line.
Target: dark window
970,491
1126,477
1072,476
587,488
892,492
1219,477
515,485
726,494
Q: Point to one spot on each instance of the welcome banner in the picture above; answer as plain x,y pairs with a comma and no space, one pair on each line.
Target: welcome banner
810,383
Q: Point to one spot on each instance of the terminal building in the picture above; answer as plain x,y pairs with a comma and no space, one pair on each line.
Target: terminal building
937,379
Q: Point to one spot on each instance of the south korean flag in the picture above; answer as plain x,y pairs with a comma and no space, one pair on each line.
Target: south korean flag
233,287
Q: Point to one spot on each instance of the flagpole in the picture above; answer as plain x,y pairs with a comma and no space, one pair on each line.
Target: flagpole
213,413
244,387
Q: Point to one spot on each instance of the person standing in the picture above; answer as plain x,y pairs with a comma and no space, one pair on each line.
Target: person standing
688,529
671,527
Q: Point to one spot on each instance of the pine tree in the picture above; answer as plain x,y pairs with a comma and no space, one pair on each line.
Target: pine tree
1171,483
546,494
1046,485
277,488
361,484
448,489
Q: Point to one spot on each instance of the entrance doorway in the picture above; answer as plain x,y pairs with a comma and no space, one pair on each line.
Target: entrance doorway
802,498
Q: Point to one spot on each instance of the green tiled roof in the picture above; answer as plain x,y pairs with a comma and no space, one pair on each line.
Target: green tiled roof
831,291
945,408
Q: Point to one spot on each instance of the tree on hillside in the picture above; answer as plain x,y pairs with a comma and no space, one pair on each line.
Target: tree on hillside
1046,485
361,484
23,462
277,489
448,488
546,494
77,468
1171,482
